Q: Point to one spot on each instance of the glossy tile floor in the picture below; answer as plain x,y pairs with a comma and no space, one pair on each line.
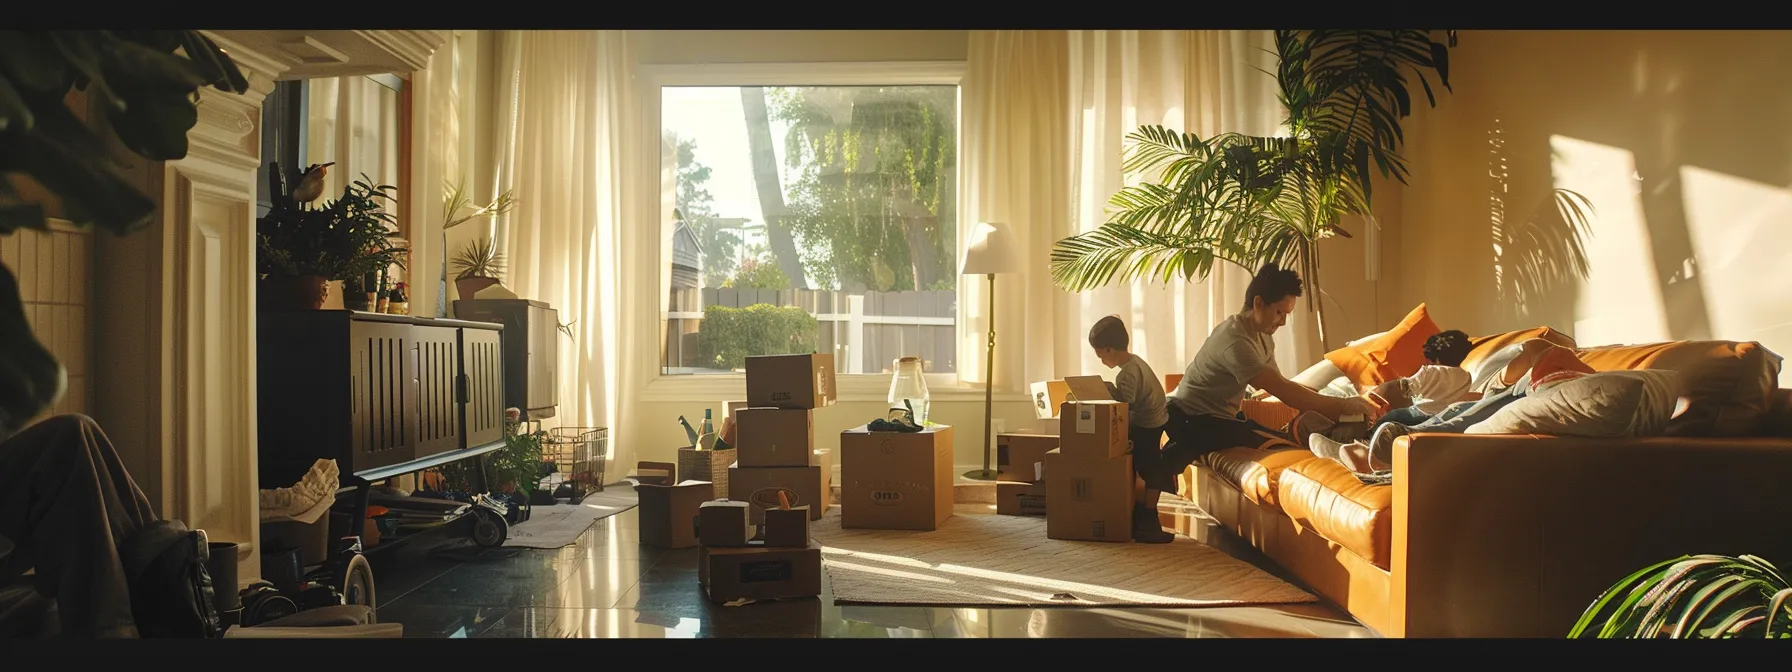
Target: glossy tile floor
608,585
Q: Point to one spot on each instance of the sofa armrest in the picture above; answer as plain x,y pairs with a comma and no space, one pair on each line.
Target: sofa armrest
1514,536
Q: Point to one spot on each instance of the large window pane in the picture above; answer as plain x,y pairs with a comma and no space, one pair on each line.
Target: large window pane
812,218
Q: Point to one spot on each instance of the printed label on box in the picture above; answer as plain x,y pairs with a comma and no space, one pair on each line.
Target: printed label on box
1031,504
886,497
1085,420
768,570
1098,528
1083,489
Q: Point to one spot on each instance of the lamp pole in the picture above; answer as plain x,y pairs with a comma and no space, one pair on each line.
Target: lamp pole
987,473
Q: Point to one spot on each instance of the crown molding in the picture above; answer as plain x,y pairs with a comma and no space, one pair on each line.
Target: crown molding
311,54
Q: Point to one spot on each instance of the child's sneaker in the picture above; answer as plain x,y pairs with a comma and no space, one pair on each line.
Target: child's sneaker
1146,528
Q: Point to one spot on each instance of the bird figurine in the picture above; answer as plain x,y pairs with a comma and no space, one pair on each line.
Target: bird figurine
311,183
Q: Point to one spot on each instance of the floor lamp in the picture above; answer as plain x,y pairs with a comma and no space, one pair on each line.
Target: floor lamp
989,251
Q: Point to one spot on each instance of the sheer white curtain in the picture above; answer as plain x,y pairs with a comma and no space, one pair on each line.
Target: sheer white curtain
1046,116
566,127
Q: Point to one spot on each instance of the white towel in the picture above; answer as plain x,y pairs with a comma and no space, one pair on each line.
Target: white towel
318,486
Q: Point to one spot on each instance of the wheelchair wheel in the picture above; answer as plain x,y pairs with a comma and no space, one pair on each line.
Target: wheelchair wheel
262,603
489,528
357,583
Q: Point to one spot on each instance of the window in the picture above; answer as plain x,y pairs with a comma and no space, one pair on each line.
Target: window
811,218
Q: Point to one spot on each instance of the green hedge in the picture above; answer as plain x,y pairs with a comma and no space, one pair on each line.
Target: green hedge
730,335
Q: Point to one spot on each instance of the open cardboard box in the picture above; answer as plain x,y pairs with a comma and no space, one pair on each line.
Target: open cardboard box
1049,395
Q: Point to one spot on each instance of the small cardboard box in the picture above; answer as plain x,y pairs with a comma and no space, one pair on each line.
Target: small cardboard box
759,572
787,527
759,486
774,437
723,522
1093,429
791,381
1019,456
1048,397
895,480
729,408
1088,499
656,473
1020,499
668,513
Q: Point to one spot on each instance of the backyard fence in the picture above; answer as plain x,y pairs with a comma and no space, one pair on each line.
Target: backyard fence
866,331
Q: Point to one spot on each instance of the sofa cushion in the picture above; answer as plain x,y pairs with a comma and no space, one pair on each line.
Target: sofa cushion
1323,496
1609,404
1728,384
1480,347
1395,354
1255,472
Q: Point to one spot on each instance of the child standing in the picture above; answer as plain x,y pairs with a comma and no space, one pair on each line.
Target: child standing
1137,386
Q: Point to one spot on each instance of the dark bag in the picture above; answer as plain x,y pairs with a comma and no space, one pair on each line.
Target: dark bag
171,589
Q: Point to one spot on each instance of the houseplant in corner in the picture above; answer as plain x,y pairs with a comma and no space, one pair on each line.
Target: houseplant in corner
1250,200
458,209
1694,597
302,248
50,157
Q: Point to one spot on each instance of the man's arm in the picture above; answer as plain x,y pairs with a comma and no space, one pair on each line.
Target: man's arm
1298,396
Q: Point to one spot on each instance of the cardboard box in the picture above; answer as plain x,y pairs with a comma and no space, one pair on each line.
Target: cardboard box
759,572
668,513
1019,457
774,437
895,480
1088,499
723,522
656,473
729,408
786,527
1048,397
791,381
1093,429
759,486
1020,499
1088,388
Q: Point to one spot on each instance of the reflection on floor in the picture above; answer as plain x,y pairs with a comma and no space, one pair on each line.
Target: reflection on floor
608,585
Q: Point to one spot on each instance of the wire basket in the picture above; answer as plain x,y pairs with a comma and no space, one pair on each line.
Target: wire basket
578,456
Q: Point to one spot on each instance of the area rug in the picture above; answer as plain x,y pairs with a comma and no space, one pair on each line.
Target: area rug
561,524
982,560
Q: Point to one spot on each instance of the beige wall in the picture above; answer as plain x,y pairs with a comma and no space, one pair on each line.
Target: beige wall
1678,139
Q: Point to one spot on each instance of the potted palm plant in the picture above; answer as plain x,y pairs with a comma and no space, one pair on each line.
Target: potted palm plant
458,209
301,248
54,164
478,265
1249,200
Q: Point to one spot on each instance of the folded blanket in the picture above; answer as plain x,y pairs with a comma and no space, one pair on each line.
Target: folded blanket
318,485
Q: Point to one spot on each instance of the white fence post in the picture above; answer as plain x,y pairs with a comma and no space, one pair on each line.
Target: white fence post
855,326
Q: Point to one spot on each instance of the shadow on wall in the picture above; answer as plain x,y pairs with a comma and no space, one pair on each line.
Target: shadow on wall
1677,141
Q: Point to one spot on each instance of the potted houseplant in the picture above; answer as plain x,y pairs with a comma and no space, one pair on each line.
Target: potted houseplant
478,265
458,209
302,248
1694,597
53,164
1249,200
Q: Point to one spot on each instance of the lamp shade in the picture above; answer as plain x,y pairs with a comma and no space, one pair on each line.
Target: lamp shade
989,250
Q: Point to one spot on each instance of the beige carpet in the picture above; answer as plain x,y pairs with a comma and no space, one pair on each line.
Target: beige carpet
980,560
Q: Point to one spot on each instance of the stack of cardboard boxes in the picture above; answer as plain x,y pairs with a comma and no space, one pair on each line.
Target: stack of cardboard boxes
774,436
1089,476
732,565
1020,472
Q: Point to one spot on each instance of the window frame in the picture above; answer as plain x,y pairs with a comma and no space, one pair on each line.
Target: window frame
852,387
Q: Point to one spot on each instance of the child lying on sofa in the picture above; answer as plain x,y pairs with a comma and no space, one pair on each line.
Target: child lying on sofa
1414,399
1534,364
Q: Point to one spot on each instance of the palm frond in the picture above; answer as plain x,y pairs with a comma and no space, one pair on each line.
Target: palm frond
1119,252
1692,597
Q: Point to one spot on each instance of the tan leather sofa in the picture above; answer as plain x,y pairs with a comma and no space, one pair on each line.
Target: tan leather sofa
1514,536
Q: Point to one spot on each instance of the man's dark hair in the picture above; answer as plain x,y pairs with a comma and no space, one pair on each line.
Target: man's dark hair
1108,332
1448,348
1273,284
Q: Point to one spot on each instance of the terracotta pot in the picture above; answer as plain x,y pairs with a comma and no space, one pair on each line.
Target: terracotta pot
294,292
467,287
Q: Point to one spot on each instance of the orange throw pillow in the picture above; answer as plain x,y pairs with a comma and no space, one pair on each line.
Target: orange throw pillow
1555,365
1396,354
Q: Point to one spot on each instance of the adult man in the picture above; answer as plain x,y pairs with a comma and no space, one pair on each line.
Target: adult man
1239,353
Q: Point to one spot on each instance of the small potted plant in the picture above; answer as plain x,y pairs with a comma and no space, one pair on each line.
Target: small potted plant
302,248
476,267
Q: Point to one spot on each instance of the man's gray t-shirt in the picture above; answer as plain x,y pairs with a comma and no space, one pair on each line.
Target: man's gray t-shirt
1215,382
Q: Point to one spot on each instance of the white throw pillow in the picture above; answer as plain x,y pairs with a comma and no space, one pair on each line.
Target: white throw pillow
1608,404
1318,375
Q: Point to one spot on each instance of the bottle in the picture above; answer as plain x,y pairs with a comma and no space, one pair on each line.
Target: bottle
708,430
908,388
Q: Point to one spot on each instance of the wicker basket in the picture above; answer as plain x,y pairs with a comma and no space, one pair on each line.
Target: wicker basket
706,465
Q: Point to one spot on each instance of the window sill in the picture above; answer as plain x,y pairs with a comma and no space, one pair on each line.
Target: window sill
853,389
